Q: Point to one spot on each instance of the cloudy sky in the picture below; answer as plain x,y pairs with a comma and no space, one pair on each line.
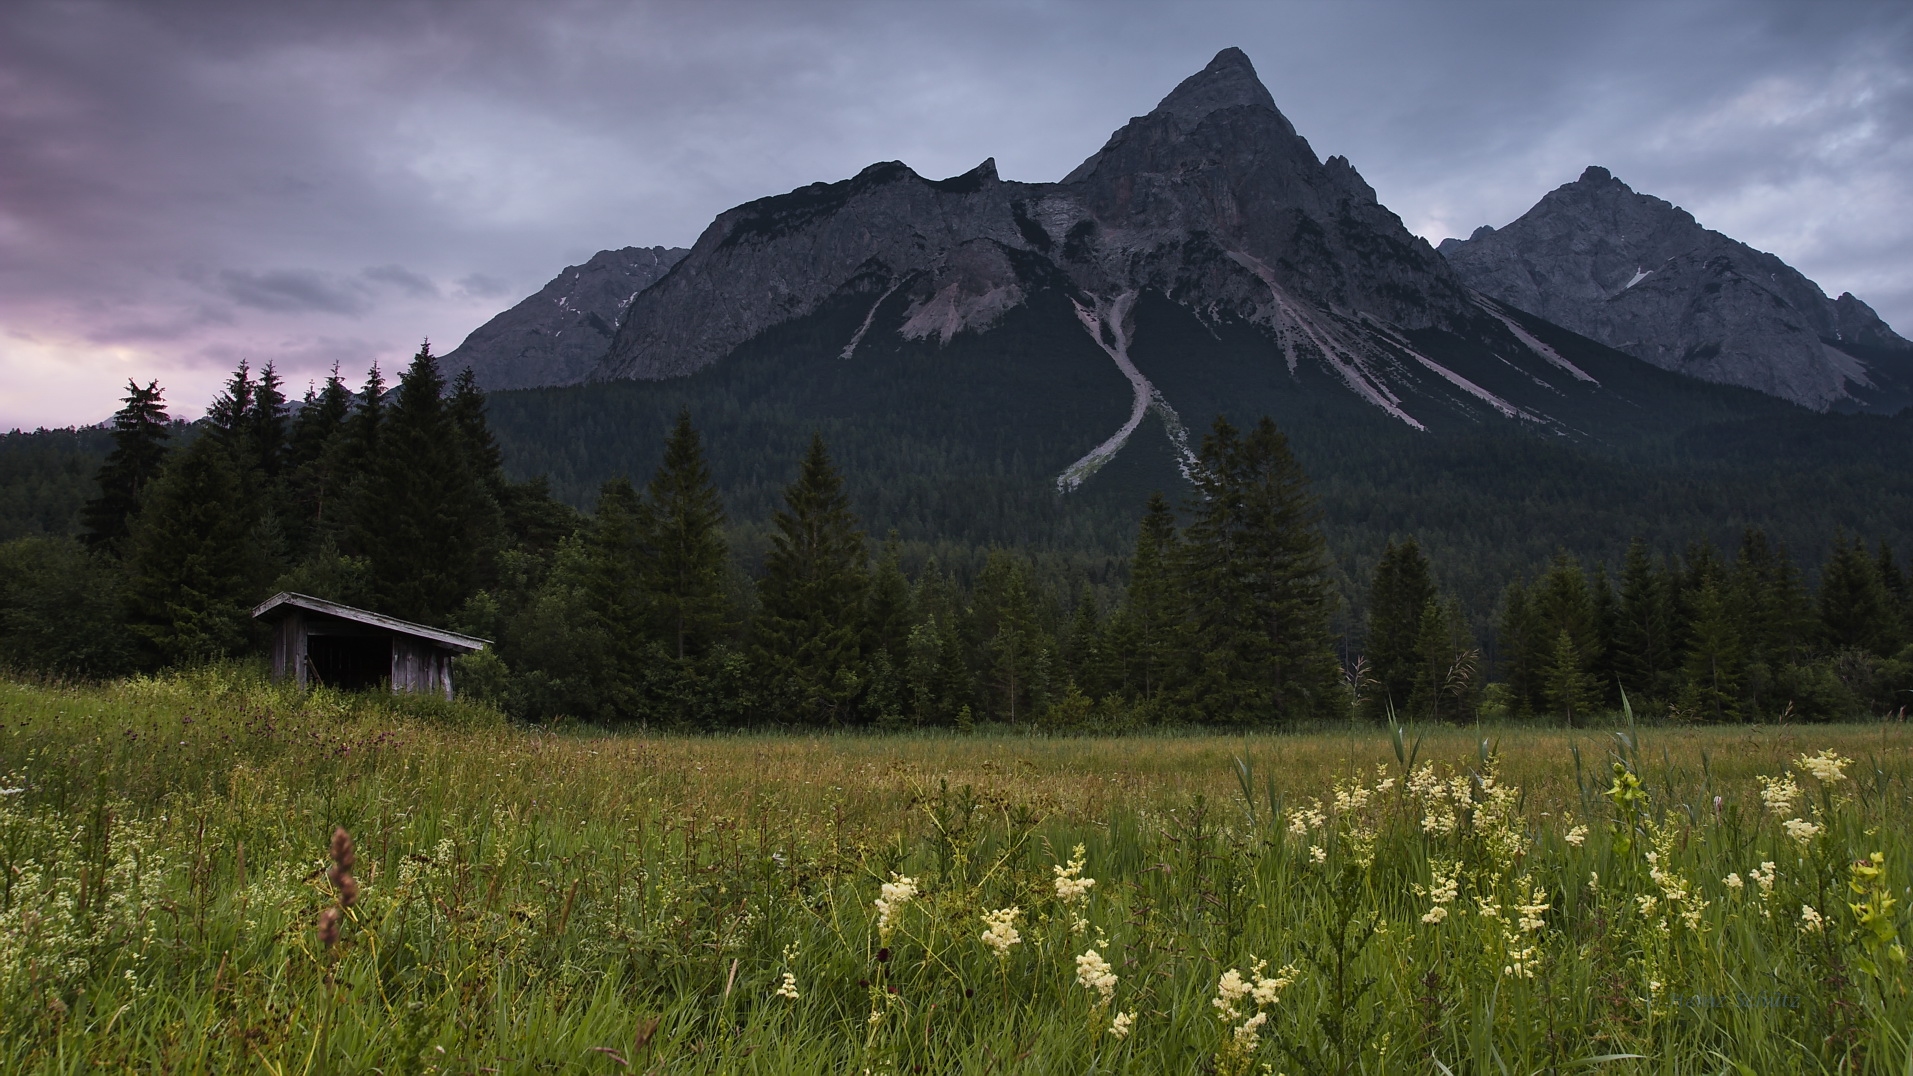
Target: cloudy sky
183,184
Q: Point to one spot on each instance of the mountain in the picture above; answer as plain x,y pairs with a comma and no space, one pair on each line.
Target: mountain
558,335
1641,275
1204,260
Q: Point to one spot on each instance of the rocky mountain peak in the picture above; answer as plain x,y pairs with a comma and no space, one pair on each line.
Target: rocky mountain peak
1228,82
1640,274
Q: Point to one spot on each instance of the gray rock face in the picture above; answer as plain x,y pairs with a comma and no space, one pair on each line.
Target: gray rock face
1642,276
559,335
1212,200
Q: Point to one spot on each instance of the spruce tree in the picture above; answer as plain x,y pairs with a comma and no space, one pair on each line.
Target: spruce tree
1644,653
140,433
1254,573
265,425
614,595
193,564
1570,687
424,519
889,608
1855,610
937,673
1017,651
1145,634
1711,673
1524,649
231,414
317,458
1446,680
808,634
466,406
685,553
1401,591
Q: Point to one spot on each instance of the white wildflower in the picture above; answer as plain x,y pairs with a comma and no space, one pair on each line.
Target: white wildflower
1249,1034
1268,989
789,987
1071,886
1577,836
1828,767
1780,794
1001,934
1733,882
1811,921
1317,853
1800,829
896,893
1230,989
1094,973
1120,1026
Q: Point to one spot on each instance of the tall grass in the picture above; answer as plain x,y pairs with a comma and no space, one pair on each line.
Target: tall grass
1339,902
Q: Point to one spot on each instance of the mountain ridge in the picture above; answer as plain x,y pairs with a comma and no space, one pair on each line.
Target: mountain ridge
1642,275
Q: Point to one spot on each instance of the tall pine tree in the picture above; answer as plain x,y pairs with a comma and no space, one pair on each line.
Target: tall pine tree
424,518
140,433
194,567
1254,573
808,634
1401,591
685,554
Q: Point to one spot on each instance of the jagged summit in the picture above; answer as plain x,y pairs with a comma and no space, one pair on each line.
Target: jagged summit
1228,82
1640,274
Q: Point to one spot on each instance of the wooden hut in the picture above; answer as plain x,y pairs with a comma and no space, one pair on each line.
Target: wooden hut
322,642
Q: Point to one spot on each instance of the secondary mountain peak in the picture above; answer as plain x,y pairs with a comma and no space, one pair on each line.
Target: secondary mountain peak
1639,274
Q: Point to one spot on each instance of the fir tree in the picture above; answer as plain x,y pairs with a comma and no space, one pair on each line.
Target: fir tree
466,406
1644,653
889,610
1524,649
614,594
685,552
1401,591
1016,648
424,519
231,412
1254,572
1447,666
264,426
1145,633
140,432
1855,610
1571,689
193,563
809,627
1711,673
316,456
937,673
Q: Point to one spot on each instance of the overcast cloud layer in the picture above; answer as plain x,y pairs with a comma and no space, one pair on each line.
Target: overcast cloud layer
186,184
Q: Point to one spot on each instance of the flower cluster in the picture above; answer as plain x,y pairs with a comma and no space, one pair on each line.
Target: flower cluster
1235,988
1001,932
896,893
1071,887
1780,794
1811,922
1094,973
1801,830
1827,767
1442,890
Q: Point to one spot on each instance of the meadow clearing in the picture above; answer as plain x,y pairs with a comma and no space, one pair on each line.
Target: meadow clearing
205,873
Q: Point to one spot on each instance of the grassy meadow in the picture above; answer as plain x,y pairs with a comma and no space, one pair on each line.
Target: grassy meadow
175,896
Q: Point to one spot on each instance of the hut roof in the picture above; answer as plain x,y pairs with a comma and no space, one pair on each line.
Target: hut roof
273,608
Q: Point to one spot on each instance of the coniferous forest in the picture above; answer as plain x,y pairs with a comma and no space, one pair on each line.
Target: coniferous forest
665,607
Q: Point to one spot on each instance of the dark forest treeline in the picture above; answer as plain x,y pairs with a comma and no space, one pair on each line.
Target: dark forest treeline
658,607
